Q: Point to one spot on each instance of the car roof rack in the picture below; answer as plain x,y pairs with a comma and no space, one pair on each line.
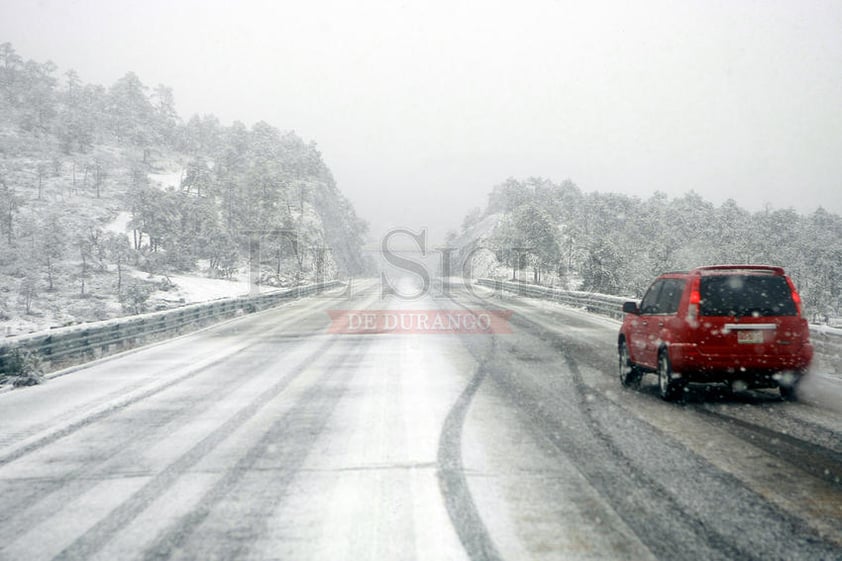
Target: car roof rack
767,269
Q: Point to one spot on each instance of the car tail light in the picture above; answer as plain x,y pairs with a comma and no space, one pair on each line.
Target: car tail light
795,297
694,301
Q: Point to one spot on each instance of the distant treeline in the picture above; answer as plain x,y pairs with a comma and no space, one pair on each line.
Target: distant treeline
616,244
74,155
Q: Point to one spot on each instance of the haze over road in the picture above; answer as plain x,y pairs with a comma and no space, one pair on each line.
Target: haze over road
270,437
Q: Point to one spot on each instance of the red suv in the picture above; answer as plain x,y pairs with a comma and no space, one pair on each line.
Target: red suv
737,324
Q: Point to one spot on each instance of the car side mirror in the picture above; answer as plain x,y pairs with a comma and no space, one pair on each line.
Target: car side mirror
630,308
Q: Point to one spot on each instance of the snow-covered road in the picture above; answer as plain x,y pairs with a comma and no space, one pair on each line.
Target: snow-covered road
271,437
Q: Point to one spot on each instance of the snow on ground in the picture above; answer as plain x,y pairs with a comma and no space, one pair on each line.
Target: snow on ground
190,289
120,225
198,289
170,180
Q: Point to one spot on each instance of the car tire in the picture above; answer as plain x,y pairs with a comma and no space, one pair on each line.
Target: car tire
630,374
669,388
788,393
789,388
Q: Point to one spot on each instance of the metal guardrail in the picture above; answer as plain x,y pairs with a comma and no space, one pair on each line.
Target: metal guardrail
828,343
829,339
603,304
66,346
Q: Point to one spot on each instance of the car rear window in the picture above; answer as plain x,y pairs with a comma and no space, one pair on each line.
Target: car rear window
746,295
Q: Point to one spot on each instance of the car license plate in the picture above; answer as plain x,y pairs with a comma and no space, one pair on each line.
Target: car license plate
750,337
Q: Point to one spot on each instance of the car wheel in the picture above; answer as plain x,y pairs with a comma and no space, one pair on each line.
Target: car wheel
788,393
789,387
670,388
630,374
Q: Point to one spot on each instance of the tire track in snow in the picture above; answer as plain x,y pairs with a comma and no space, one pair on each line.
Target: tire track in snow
285,444
95,538
454,487
817,460
25,505
456,493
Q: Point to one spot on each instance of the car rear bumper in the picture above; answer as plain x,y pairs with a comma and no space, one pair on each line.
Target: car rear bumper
695,366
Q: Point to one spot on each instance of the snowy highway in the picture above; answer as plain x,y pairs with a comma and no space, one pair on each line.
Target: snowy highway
272,436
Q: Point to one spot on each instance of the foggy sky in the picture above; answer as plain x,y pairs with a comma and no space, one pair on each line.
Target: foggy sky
419,108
